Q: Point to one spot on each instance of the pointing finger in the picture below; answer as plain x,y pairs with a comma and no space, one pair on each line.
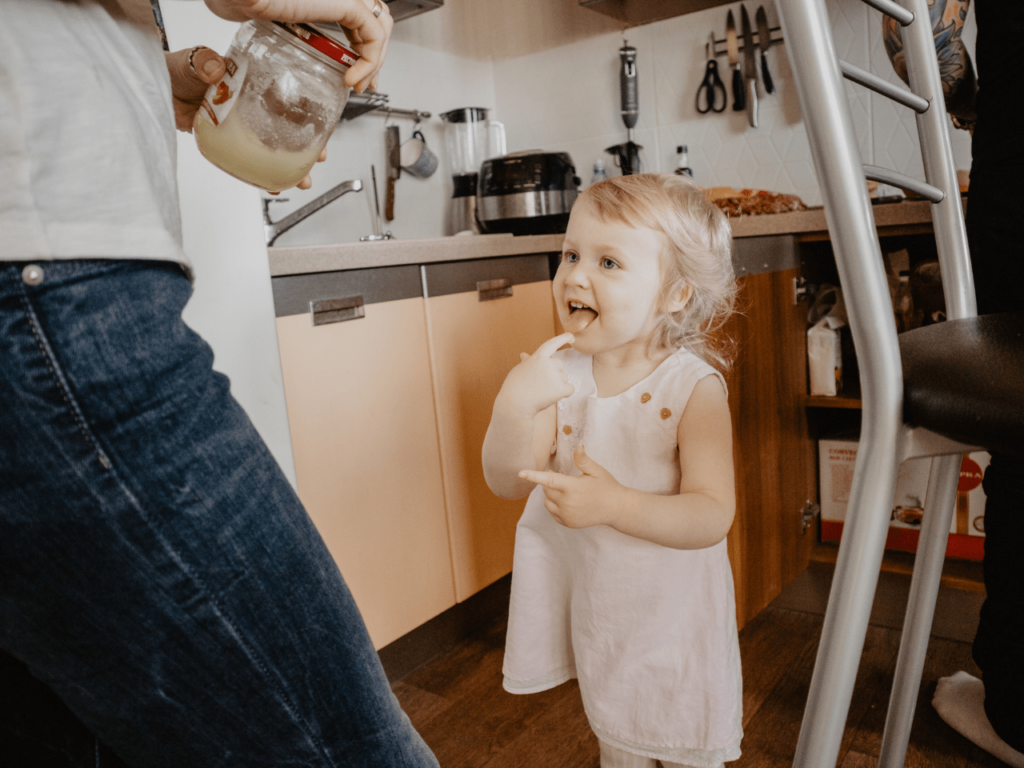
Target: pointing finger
552,480
523,356
549,347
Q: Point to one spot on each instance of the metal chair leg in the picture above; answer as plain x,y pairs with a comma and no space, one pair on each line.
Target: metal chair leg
917,626
849,608
851,222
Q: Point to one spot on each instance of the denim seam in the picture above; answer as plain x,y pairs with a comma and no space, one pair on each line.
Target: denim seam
284,695
79,417
58,375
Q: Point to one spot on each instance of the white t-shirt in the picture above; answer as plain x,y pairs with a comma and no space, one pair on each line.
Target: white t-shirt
87,137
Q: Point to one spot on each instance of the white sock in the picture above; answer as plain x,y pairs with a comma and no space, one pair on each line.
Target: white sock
960,701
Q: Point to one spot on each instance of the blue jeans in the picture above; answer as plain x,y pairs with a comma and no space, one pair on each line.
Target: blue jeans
163,594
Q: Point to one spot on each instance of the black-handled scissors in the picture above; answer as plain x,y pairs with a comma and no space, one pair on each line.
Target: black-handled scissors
711,94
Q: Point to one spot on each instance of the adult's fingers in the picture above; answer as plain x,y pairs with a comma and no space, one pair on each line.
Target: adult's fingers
187,85
307,180
549,347
370,36
388,23
209,65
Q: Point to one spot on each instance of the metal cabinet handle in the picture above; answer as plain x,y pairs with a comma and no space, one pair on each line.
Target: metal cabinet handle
494,289
336,310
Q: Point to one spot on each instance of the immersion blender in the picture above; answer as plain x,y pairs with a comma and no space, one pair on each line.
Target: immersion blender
627,155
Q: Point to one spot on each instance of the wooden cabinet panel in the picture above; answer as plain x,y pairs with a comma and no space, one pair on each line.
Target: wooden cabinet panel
361,414
474,345
773,451
636,12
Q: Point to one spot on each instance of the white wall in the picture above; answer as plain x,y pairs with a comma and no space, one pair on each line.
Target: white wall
232,306
567,99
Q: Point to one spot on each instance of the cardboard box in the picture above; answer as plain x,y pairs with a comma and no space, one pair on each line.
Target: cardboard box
836,459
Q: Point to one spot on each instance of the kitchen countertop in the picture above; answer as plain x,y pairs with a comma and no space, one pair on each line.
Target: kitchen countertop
307,259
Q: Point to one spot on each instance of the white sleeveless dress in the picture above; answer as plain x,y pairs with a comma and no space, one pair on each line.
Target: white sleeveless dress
649,631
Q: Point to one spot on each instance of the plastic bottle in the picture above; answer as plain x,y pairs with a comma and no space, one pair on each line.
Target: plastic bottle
599,172
682,164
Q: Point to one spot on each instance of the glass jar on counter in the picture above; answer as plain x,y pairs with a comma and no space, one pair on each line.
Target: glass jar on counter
270,116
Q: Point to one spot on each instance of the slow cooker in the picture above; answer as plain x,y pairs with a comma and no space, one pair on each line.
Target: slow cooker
526,193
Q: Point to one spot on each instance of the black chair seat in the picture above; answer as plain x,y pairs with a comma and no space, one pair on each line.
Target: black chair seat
964,379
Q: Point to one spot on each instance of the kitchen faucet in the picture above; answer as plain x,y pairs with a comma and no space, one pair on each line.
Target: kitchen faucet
274,229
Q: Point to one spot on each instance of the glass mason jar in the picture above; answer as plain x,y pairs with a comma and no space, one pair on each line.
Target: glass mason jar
271,115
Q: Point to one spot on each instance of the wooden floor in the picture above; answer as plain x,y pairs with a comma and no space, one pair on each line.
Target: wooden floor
457,703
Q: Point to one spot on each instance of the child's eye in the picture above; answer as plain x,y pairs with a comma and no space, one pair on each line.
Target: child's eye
609,264
570,257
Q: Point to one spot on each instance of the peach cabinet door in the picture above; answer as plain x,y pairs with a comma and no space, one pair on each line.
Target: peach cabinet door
361,413
474,345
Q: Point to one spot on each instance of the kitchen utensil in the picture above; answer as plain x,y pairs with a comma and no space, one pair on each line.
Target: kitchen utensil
749,68
526,193
627,157
628,88
470,138
712,84
764,42
416,157
375,212
392,149
733,48
627,154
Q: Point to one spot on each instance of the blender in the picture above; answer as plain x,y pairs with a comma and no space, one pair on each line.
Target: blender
627,154
468,140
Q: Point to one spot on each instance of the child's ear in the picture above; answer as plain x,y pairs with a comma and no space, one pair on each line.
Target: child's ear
679,297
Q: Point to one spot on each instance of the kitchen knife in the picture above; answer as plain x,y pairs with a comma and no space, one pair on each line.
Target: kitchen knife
764,42
738,102
392,151
749,68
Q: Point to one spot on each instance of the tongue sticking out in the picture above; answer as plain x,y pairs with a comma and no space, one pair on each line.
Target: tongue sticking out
579,320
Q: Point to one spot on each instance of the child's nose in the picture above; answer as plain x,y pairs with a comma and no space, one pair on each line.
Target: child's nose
577,275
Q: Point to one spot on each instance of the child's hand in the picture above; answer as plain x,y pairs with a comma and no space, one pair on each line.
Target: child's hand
538,382
594,498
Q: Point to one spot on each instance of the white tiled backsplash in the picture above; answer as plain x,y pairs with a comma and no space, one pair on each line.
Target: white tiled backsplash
567,99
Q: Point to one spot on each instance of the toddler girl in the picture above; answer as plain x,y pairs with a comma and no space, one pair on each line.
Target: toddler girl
621,576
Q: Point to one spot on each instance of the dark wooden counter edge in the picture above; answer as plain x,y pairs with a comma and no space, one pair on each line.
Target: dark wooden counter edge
804,225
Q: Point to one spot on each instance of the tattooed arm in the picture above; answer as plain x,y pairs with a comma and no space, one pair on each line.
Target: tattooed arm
959,84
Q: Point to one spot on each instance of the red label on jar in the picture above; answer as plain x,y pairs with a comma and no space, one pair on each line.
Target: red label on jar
220,97
326,45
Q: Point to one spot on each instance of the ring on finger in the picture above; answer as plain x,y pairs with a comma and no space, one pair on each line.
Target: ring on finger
377,9
192,57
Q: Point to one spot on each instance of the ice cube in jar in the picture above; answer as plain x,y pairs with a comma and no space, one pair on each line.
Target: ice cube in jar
267,120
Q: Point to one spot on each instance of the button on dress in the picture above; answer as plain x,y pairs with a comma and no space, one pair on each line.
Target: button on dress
649,631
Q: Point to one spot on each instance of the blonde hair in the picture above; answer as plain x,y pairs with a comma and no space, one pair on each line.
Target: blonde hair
699,254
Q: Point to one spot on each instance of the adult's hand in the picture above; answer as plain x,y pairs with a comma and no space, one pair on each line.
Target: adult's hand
189,83
368,34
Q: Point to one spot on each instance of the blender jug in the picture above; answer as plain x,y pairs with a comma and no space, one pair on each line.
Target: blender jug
468,140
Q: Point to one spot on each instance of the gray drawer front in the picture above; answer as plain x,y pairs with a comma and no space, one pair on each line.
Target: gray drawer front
292,293
462,276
